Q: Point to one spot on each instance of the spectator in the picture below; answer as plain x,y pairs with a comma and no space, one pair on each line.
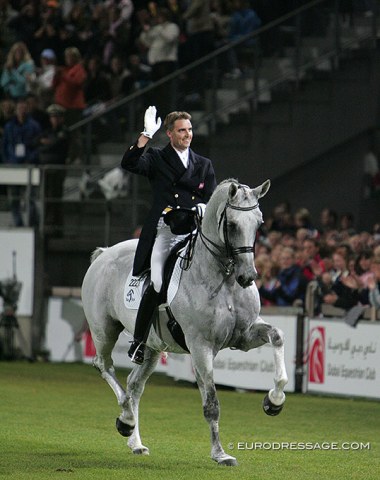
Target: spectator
312,264
21,135
42,85
54,144
267,279
291,284
25,23
69,82
344,292
346,223
47,34
373,284
244,20
18,71
36,112
120,78
97,86
161,38
328,220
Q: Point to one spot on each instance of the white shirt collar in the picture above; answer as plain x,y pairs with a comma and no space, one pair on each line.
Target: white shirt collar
184,156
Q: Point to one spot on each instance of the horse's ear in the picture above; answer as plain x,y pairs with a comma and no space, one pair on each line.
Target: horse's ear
233,190
262,189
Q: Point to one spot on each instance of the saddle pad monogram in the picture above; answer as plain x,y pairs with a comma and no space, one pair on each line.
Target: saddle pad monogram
133,288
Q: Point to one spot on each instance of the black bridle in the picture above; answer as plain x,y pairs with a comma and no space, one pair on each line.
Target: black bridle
227,251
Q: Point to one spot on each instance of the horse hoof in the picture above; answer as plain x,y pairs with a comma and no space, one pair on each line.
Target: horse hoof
227,461
141,451
124,429
270,408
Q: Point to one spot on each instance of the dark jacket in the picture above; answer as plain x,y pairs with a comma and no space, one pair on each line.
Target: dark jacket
172,185
292,287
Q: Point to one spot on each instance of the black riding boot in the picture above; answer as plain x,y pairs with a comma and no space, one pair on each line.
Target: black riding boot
144,320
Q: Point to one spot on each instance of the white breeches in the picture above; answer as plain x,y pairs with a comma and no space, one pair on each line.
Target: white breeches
165,241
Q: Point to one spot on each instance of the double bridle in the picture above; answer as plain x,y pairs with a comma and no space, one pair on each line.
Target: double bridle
227,251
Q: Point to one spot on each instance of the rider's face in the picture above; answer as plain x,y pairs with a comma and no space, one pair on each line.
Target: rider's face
181,135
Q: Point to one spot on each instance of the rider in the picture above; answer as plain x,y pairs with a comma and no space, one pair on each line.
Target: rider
179,178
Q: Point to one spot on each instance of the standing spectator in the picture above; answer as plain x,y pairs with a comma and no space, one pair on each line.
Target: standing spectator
54,144
43,83
200,41
25,23
20,147
120,78
47,35
18,71
244,20
291,284
161,39
68,84
97,86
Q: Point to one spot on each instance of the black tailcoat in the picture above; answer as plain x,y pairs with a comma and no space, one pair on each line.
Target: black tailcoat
172,185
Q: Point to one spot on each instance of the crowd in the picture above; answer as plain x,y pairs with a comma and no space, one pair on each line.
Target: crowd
343,263
60,57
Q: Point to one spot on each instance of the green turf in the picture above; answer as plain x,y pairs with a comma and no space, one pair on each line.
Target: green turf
57,422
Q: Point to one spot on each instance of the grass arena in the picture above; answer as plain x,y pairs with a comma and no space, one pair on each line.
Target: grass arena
58,421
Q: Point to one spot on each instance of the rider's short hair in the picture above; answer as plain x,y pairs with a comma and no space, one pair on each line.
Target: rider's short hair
173,116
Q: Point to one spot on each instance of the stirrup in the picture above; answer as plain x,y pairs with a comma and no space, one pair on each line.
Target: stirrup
136,352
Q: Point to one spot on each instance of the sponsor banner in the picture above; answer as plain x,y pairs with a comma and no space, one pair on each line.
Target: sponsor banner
248,370
344,360
69,340
17,257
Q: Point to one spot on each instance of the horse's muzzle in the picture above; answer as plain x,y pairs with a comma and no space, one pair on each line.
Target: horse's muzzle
246,281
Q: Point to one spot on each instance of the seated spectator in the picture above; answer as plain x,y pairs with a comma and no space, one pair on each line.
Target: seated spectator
328,220
373,284
18,71
362,267
267,276
290,287
346,224
312,264
36,112
344,291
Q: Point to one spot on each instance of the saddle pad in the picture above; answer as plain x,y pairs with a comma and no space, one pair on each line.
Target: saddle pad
134,287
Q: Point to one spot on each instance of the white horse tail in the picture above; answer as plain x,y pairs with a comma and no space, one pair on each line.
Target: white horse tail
95,254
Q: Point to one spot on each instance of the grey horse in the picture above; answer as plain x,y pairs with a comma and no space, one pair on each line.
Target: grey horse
217,306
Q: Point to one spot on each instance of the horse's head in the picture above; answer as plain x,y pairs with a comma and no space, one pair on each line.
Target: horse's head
238,219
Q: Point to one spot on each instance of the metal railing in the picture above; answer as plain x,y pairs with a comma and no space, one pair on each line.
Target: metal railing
284,50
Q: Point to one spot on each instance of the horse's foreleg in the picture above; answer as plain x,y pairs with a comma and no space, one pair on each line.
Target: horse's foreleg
203,367
275,399
135,388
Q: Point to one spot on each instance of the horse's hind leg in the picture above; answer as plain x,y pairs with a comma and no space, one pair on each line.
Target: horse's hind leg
274,401
104,340
203,367
135,388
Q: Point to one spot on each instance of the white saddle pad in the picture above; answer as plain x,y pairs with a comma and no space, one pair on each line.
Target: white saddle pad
134,286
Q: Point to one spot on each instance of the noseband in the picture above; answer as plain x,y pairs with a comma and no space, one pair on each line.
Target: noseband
228,251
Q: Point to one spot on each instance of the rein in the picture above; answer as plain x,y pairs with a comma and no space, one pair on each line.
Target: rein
227,251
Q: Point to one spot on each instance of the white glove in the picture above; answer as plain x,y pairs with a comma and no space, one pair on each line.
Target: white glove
151,125
200,209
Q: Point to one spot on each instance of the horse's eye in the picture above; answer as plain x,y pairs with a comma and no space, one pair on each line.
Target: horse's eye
232,227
